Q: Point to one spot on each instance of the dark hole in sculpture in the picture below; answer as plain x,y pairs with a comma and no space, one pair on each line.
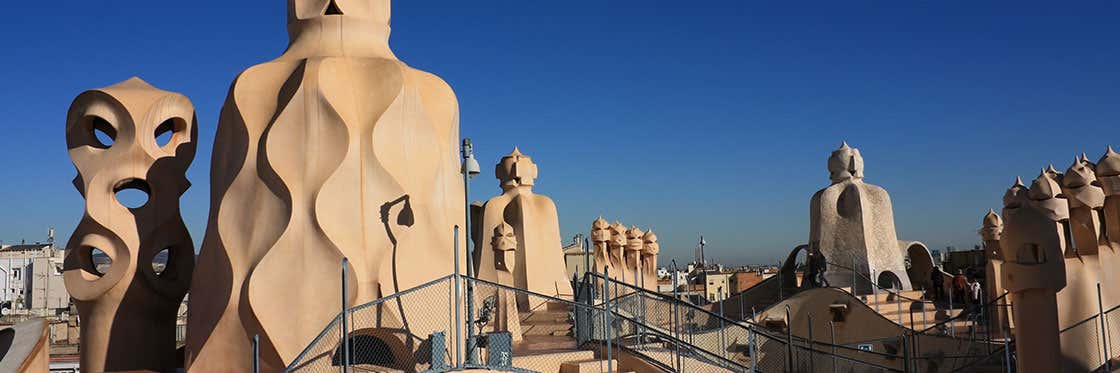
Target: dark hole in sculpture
99,261
888,280
366,349
103,133
166,131
6,338
333,10
132,193
161,261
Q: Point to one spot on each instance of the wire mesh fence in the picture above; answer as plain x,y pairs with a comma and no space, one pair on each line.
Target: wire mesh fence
457,322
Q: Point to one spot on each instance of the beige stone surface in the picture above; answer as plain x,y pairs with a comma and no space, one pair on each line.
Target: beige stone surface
650,249
852,224
536,224
630,254
1032,245
1108,178
504,245
1078,301
128,312
600,238
334,149
25,347
990,232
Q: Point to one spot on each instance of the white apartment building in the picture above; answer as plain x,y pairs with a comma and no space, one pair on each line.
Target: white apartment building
32,279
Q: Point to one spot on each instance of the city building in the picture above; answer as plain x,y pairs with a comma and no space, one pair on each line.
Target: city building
32,279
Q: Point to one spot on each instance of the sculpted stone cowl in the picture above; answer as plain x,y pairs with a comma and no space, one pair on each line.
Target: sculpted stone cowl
504,245
535,221
650,249
600,238
617,250
634,245
1032,244
852,224
128,310
334,149
1108,178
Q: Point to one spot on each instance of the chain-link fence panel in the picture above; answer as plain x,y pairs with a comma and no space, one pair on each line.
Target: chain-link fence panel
1081,345
319,356
1112,334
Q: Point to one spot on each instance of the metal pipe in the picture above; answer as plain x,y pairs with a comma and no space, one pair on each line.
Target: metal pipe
458,309
1104,330
472,358
875,294
256,353
345,321
607,319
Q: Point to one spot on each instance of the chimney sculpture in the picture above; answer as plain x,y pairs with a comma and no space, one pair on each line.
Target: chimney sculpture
852,224
504,245
1032,244
600,238
618,251
533,217
1108,178
336,149
650,248
990,232
634,244
129,310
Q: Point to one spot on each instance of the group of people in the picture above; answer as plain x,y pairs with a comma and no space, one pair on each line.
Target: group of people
962,289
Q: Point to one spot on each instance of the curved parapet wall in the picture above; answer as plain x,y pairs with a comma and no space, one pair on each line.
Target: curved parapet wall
129,309
25,347
334,150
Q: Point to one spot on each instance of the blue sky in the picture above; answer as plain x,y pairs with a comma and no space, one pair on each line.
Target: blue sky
684,116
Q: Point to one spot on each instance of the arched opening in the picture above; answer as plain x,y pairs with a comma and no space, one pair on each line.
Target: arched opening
375,347
366,350
889,280
920,268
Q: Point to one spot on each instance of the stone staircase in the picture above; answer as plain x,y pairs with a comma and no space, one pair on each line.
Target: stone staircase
552,320
925,314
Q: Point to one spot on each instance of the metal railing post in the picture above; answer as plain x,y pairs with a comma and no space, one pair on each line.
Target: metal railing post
458,309
952,319
874,294
1104,330
1007,348
898,301
905,353
812,364
789,341
676,314
345,321
752,340
607,319
832,332
256,353
722,327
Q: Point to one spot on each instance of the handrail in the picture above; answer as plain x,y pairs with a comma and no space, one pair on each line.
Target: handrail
961,315
614,314
670,299
873,283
